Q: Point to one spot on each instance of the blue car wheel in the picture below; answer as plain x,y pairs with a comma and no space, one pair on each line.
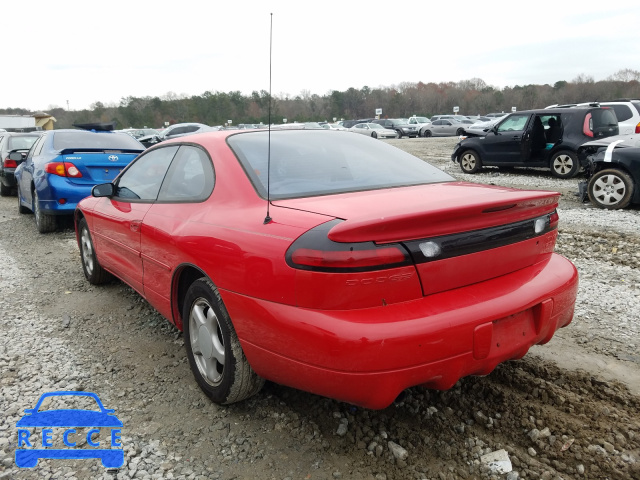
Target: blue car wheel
44,223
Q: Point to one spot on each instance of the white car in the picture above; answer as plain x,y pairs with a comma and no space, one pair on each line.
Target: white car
480,129
419,123
373,130
627,113
333,126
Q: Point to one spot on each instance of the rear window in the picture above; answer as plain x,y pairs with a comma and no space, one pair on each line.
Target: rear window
310,163
22,142
604,117
95,141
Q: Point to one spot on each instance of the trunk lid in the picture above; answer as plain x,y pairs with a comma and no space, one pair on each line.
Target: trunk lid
410,213
457,233
100,166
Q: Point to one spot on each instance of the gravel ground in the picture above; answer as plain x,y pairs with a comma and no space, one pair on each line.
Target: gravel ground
569,409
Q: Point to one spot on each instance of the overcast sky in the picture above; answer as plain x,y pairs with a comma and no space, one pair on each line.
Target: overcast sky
81,52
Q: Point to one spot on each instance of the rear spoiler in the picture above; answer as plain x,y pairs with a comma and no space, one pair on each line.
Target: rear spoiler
67,151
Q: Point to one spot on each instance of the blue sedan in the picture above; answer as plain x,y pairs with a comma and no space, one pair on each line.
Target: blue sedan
63,166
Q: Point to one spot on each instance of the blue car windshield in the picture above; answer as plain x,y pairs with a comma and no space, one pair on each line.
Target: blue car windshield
323,162
95,140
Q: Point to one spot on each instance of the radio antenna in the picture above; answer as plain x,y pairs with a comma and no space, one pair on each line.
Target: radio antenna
267,219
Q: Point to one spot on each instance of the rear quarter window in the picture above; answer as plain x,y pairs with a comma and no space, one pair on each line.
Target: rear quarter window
623,112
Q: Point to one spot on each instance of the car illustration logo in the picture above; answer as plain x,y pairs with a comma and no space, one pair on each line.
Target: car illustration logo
113,158
65,427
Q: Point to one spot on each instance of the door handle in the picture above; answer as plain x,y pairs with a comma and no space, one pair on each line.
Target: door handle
135,225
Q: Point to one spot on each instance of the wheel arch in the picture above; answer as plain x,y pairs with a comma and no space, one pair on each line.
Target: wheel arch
183,278
77,216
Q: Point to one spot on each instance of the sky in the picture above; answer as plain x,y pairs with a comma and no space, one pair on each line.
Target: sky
71,54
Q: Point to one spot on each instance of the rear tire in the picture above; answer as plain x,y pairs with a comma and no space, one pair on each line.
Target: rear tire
611,189
213,349
460,132
21,208
470,162
4,190
44,223
93,271
564,164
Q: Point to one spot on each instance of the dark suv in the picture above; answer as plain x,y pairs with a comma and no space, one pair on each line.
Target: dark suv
400,125
537,138
13,142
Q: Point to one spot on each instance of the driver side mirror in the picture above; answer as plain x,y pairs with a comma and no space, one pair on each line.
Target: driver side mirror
103,190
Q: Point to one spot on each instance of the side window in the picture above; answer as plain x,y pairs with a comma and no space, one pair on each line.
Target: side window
143,178
622,112
37,147
175,131
191,129
190,177
513,123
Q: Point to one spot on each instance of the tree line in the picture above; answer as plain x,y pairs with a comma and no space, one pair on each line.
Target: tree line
472,97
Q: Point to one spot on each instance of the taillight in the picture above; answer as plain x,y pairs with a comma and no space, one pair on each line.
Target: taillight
587,126
638,128
314,251
63,169
8,163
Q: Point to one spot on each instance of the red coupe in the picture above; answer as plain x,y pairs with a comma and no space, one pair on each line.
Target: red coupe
330,262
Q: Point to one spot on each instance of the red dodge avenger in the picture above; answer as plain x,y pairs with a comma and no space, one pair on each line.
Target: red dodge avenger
330,262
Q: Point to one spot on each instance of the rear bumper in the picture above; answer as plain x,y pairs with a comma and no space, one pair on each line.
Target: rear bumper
368,356
7,177
58,188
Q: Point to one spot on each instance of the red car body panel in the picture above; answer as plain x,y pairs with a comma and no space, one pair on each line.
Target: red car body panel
357,336
368,356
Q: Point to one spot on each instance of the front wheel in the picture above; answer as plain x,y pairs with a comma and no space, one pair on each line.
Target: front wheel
470,162
427,133
93,271
374,134
611,189
460,132
564,164
44,223
399,132
214,351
